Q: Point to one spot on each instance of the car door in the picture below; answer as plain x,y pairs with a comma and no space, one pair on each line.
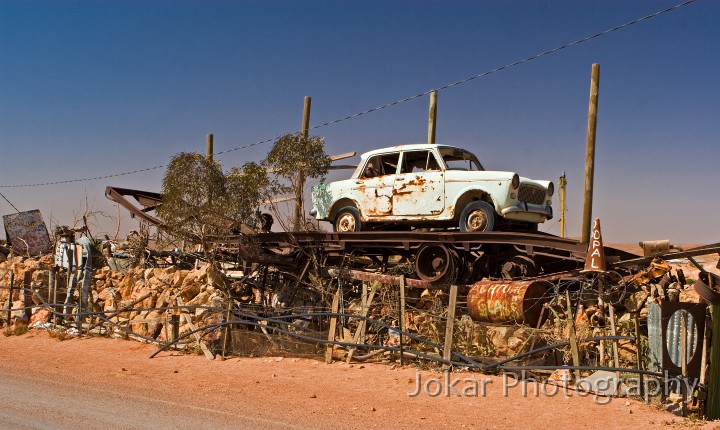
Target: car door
419,188
375,185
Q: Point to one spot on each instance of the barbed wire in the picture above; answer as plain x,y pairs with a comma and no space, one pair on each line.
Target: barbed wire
394,103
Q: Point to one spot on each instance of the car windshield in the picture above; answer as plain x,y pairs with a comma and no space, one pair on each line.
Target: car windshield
458,159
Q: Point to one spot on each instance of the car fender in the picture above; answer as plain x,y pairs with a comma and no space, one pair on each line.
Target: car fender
472,189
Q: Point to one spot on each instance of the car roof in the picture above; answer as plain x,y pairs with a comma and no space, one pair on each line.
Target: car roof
411,147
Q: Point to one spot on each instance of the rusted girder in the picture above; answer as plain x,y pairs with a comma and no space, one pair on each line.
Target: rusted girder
147,199
701,250
359,275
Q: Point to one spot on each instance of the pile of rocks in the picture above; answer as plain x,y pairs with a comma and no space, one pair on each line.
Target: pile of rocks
200,289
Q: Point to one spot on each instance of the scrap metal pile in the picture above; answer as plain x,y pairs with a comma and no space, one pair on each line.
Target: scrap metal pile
486,301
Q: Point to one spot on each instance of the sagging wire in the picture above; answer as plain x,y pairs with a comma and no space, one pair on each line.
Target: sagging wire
394,103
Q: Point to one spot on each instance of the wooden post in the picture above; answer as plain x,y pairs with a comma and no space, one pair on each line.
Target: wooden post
601,310
360,331
209,147
333,327
175,325
450,325
562,184
208,354
227,326
703,364
27,294
365,305
432,116
10,297
69,281
590,153
77,258
300,180
683,360
712,410
638,354
573,340
54,283
401,317
51,278
616,357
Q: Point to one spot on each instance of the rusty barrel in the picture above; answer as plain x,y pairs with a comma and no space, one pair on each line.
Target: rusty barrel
508,301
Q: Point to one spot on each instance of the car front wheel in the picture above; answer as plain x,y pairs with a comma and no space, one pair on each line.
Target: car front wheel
347,220
477,216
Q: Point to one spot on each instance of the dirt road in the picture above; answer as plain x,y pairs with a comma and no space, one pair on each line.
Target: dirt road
97,383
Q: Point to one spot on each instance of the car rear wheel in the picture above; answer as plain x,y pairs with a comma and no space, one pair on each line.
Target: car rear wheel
477,216
347,220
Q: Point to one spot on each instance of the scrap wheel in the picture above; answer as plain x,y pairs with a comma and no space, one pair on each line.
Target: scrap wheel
435,263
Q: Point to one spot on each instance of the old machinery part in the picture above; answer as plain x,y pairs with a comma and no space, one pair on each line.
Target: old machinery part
707,286
519,266
436,263
513,301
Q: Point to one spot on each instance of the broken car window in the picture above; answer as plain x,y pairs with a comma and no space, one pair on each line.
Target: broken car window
456,159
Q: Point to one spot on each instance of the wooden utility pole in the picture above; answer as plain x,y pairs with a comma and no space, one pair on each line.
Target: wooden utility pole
300,180
209,147
590,153
562,185
432,116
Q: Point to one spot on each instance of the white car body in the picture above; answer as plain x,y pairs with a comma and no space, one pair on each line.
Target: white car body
429,185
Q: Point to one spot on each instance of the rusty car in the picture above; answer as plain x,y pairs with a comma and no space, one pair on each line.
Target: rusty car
431,186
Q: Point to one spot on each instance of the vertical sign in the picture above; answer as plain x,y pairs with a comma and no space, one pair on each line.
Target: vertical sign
595,261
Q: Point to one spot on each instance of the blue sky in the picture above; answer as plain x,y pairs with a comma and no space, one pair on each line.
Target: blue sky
92,88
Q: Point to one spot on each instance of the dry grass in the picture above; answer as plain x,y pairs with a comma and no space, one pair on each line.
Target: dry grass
16,330
59,335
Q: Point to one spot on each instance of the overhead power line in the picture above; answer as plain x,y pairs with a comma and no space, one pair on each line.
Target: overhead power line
6,199
394,103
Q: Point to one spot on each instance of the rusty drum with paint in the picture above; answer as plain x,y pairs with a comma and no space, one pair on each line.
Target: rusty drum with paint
508,301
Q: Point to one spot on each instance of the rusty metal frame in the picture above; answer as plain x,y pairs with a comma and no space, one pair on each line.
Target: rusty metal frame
694,252
147,199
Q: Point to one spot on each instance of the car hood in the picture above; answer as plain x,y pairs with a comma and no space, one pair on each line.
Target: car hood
490,175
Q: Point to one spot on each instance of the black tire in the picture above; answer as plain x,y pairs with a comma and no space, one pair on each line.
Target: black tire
347,220
477,216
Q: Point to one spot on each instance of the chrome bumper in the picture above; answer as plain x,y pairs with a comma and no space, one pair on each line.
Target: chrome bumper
530,208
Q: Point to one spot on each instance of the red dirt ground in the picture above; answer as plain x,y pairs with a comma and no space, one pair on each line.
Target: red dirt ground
111,383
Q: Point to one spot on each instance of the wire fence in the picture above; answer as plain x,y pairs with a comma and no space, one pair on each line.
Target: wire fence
235,329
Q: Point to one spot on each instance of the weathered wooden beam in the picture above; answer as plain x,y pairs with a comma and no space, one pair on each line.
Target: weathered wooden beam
333,327
712,410
208,354
573,340
401,318
450,324
383,279
360,331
